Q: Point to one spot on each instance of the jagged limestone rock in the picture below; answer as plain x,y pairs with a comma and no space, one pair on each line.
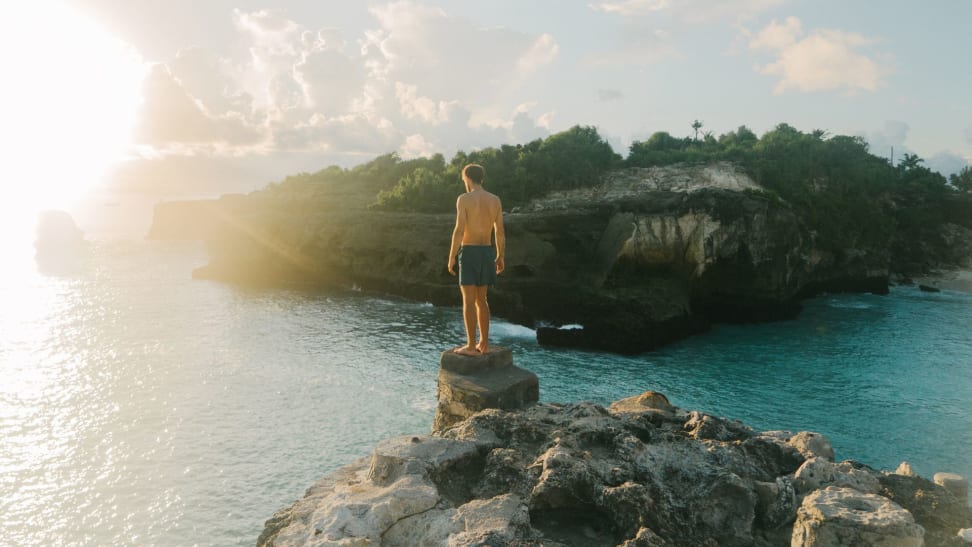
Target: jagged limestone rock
565,475
777,502
817,473
837,516
904,469
812,445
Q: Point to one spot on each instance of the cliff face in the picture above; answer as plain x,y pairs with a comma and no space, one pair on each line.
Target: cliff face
648,257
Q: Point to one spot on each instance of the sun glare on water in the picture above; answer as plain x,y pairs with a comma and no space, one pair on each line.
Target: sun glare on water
68,101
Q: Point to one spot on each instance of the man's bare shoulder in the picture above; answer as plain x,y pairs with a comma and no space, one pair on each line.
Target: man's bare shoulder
492,197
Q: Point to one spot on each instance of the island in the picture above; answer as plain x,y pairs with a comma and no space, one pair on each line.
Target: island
604,253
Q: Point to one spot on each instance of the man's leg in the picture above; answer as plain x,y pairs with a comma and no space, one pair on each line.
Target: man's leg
482,317
469,319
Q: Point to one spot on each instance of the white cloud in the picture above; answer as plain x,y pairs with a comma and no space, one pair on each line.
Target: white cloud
352,134
693,11
425,109
422,81
330,80
416,146
632,7
638,47
823,60
778,35
545,120
170,116
889,140
542,52
946,163
451,58
210,80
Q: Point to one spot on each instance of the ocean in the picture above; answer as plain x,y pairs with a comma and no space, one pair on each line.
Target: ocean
141,407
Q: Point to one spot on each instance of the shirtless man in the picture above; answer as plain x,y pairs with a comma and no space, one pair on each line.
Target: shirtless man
478,213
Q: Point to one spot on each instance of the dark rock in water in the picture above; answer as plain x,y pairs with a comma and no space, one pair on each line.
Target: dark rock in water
929,288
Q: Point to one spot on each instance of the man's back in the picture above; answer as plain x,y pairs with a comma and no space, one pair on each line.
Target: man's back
481,210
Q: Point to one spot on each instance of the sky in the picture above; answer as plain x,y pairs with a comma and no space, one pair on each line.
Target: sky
192,96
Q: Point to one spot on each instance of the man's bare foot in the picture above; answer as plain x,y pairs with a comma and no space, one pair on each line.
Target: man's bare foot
467,350
482,348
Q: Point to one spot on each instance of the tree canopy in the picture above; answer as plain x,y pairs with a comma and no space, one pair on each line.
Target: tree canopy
845,195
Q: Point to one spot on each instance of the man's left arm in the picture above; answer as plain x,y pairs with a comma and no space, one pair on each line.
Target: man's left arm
456,236
500,240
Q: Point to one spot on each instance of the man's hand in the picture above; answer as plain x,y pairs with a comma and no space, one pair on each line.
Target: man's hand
452,265
500,265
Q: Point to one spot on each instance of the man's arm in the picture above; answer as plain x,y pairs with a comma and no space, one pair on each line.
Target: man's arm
456,236
500,239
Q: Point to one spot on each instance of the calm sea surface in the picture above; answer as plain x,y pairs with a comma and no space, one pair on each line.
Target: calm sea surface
138,406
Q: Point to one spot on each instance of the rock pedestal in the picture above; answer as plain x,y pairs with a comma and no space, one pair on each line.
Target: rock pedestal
470,383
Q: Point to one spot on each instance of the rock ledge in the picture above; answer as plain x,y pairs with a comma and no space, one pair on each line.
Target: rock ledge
640,473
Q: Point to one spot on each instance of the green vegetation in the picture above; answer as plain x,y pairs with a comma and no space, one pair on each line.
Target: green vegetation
846,196
574,158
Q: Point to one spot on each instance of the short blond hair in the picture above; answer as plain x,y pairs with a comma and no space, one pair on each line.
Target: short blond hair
474,172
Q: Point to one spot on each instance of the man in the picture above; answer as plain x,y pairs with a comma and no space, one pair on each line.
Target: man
478,213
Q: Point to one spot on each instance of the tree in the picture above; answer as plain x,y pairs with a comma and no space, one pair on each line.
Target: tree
909,162
963,179
696,125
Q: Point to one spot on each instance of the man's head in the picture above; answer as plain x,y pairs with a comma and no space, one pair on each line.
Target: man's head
474,173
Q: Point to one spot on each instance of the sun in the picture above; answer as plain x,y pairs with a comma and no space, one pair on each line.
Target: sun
69,97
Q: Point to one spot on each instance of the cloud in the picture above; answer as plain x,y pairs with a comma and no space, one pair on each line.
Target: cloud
416,146
778,35
414,106
946,163
892,136
823,60
692,11
639,47
419,81
170,116
452,58
542,52
211,81
607,95
329,80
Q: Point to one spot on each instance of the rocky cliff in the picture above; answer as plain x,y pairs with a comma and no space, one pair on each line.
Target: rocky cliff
639,473
648,257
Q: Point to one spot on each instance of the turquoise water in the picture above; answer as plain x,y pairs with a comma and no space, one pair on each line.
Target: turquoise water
138,406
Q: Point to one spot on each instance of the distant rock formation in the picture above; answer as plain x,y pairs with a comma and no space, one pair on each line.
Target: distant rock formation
641,472
58,242
56,230
650,256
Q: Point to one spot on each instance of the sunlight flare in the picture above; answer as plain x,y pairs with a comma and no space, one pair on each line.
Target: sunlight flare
68,105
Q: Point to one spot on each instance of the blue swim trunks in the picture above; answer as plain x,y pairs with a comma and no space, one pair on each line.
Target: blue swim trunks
477,265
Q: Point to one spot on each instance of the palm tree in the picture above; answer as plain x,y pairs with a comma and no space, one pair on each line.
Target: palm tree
696,125
910,162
